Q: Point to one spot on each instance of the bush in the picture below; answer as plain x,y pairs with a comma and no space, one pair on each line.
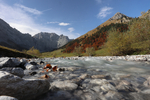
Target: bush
90,51
34,52
137,39
78,51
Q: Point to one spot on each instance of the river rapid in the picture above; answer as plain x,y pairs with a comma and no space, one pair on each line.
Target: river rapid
96,78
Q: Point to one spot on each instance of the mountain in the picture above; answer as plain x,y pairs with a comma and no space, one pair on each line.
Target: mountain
49,41
12,38
97,37
146,14
117,18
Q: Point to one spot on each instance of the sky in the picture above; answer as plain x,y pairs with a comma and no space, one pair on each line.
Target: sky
71,18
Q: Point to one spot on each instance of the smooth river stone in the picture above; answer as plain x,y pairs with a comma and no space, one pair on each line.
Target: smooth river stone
63,85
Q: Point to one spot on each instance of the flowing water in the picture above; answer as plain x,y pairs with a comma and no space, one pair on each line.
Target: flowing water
116,70
104,65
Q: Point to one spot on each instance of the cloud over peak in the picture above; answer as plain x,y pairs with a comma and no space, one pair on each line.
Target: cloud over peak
64,24
18,18
71,29
104,12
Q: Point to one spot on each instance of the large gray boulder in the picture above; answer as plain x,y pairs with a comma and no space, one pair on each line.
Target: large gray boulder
20,88
29,66
16,71
7,62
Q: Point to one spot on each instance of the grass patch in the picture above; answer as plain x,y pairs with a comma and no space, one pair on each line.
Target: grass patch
8,52
57,53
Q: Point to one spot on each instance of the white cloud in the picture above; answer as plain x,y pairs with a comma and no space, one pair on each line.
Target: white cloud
64,24
30,10
18,18
99,1
104,12
71,29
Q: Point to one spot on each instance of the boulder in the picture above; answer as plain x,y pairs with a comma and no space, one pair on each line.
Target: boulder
7,62
30,66
23,60
16,61
98,81
62,94
147,82
101,76
108,87
20,88
125,86
147,91
113,95
63,85
16,71
33,63
83,76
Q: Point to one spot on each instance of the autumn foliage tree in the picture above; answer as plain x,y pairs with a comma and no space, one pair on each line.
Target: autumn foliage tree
96,40
90,51
136,39
33,51
78,51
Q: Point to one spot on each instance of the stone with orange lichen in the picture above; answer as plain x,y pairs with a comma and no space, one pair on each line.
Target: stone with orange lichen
47,70
55,68
45,76
48,66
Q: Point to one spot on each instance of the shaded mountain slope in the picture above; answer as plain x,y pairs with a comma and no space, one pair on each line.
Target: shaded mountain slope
12,38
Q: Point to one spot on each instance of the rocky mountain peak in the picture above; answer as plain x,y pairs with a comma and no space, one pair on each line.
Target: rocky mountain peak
118,15
43,41
148,11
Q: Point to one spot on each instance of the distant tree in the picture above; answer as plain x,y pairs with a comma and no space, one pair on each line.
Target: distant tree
33,51
90,51
54,55
78,51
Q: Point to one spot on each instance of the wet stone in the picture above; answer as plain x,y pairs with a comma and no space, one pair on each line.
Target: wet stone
32,73
63,85
101,76
108,87
113,95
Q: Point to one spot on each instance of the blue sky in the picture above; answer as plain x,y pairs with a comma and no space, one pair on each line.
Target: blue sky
68,17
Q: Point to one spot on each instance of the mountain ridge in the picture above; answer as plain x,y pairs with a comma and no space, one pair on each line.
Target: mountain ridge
97,37
117,18
12,38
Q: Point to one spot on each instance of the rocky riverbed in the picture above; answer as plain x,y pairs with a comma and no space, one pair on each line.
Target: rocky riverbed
76,78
